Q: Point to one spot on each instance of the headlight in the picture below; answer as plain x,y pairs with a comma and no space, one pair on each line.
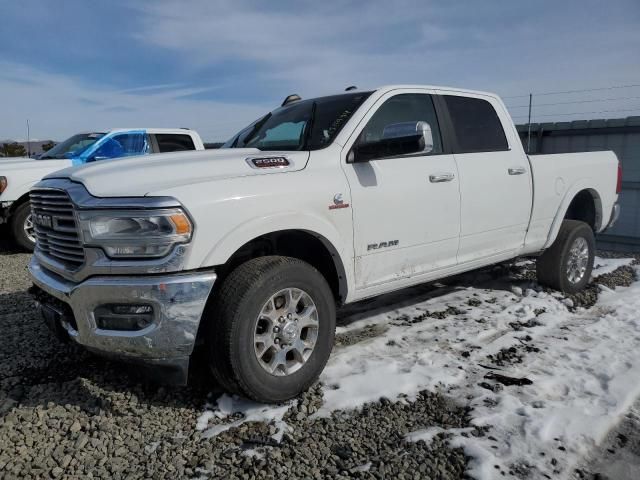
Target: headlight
135,233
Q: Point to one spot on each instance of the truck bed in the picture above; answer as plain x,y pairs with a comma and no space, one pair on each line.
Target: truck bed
557,178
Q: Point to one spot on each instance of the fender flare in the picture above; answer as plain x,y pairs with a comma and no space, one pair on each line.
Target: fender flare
22,197
326,232
570,194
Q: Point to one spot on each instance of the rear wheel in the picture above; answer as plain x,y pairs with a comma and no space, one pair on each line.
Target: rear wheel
22,227
567,264
271,328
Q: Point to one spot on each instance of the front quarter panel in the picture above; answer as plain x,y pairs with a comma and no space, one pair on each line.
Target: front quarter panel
231,212
20,179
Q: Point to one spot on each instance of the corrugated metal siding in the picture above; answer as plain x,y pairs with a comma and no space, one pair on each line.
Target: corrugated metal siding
621,135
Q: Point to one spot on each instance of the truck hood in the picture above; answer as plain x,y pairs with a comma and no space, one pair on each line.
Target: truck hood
11,165
23,173
141,176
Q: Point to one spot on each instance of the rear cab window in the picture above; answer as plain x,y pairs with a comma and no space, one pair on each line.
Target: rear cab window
476,125
172,142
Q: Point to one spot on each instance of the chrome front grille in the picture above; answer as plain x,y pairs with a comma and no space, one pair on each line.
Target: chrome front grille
55,226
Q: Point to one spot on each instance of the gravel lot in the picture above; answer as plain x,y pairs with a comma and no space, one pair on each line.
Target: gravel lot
67,414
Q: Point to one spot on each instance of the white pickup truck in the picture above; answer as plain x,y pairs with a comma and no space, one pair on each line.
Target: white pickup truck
247,251
18,175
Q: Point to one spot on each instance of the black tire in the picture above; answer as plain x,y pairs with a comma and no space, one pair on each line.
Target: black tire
20,215
552,265
232,321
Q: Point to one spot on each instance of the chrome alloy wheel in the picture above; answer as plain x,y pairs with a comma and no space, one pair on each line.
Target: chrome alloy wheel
578,260
286,332
29,229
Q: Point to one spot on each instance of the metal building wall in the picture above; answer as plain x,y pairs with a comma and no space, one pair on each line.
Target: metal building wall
620,135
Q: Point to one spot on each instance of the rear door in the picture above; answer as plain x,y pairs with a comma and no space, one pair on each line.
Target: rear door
495,178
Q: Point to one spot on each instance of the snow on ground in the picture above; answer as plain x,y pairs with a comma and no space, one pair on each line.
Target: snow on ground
602,266
578,370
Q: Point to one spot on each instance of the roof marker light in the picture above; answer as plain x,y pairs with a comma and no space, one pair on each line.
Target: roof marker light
290,99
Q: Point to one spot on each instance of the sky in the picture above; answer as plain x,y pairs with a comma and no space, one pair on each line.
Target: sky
215,66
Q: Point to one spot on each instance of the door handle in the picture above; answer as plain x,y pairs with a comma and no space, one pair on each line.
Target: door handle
441,177
517,171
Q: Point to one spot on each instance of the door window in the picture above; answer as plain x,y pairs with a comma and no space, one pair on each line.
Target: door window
476,125
122,145
174,143
403,108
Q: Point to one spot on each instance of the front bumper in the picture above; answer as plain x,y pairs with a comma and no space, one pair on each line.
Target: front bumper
177,300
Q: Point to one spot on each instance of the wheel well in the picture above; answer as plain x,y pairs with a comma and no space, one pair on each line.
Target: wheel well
306,246
17,203
585,207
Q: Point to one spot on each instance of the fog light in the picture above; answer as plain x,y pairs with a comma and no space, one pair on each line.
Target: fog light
123,317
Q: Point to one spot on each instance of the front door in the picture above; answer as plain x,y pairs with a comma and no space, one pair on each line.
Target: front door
406,208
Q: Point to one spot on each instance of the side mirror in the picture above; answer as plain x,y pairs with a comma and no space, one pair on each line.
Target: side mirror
411,129
397,139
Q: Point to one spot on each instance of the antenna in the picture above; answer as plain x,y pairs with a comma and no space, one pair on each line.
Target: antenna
351,87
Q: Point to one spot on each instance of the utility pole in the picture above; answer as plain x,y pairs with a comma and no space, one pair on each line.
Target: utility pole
28,140
529,125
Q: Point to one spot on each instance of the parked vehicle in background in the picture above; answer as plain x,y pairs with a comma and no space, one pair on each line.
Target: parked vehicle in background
246,251
17,176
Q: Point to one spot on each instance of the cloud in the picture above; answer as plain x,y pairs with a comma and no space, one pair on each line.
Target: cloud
66,106
218,65
119,109
319,47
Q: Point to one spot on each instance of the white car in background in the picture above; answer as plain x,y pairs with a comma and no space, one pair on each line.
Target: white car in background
18,175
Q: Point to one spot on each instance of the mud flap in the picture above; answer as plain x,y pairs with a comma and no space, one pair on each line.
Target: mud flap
53,319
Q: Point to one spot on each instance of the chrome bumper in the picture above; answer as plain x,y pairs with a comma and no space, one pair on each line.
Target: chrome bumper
178,302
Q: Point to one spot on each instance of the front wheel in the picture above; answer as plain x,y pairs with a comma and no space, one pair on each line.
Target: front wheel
567,264
271,329
22,227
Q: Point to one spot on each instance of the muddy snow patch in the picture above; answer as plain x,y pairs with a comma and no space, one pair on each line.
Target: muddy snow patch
232,411
428,434
574,376
602,266
545,380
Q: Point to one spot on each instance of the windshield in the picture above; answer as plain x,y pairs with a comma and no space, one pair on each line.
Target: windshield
73,146
302,125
